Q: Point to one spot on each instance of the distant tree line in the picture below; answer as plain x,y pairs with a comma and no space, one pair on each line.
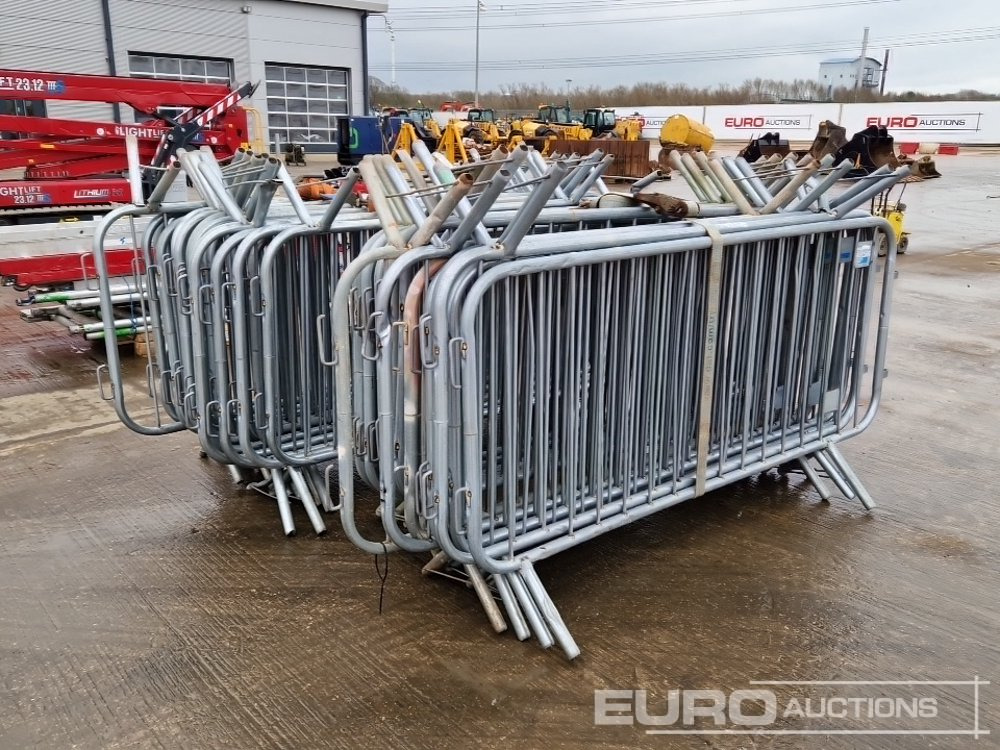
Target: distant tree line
526,97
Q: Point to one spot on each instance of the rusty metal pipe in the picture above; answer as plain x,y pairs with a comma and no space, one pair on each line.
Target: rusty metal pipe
459,189
789,191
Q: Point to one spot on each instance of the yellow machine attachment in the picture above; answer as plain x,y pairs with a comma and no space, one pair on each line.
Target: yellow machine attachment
629,129
894,213
410,132
406,138
681,133
453,142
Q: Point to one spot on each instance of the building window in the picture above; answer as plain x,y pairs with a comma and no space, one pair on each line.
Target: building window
20,108
23,107
201,69
303,104
165,67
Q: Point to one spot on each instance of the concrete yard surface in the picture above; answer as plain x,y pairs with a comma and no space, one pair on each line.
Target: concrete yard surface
146,602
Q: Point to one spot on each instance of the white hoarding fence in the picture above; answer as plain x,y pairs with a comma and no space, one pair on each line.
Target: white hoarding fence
943,122
948,122
654,117
796,122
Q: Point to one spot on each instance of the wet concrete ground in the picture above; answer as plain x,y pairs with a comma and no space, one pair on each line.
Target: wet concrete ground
145,602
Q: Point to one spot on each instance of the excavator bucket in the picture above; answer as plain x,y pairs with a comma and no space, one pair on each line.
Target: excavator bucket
882,149
830,137
868,149
764,146
924,168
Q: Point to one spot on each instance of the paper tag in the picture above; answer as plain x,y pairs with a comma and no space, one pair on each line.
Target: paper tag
863,255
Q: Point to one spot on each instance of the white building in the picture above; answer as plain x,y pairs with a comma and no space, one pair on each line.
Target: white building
309,56
841,72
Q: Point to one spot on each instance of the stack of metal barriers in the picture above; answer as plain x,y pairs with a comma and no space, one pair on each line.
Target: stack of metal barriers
514,368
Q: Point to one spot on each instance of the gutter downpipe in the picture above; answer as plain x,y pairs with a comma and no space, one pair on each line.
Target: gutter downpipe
109,46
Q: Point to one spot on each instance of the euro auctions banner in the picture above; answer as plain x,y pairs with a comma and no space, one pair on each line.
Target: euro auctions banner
940,122
796,122
654,117
943,122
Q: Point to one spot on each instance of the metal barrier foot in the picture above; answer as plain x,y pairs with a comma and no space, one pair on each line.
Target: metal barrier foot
860,491
514,613
549,612
839,471
486,598
284,506
285,485
813,476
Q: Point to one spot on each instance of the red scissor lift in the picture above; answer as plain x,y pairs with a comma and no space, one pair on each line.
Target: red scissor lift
72,168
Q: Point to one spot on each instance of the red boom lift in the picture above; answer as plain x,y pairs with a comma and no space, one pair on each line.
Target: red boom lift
76,167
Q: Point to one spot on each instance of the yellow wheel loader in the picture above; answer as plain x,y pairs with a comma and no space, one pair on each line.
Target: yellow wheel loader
485,121
604,123
551,122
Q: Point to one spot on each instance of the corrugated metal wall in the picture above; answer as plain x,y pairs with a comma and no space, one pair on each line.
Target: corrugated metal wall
68,36
326,37
58,35
197,28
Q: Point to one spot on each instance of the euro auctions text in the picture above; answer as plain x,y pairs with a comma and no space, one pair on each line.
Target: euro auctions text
801,707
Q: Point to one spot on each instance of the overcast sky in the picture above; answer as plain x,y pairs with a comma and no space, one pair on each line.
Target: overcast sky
701,42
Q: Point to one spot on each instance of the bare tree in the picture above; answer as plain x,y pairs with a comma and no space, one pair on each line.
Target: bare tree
522,98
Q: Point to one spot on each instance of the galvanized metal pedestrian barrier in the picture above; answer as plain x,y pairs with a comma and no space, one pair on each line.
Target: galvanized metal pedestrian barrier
514,374
235,288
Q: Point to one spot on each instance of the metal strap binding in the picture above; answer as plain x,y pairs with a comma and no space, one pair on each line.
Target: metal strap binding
713,297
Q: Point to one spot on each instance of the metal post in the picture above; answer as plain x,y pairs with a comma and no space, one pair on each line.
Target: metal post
479,7
392,50
366,90
861,64
109,47
134,168
885,69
